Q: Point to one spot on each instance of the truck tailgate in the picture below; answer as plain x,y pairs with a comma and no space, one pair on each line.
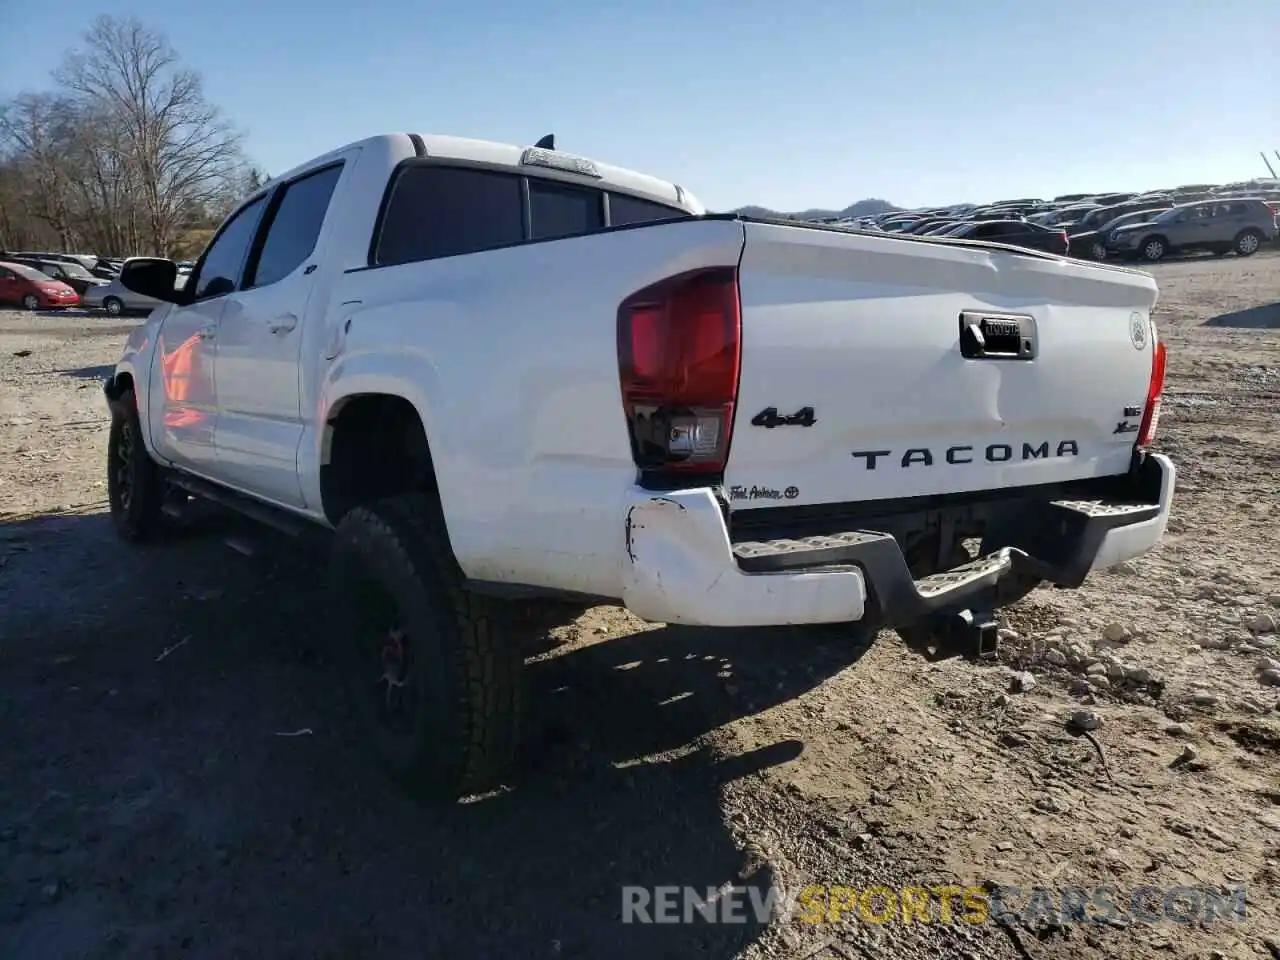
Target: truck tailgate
862,378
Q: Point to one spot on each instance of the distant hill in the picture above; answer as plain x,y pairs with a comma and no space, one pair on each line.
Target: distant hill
863,208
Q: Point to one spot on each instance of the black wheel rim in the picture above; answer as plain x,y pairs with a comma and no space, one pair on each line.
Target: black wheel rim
391,693
123,466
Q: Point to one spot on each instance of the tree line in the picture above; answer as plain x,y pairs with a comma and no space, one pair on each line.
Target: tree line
122,155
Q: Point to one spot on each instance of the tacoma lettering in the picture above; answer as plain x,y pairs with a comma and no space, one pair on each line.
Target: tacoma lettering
966,453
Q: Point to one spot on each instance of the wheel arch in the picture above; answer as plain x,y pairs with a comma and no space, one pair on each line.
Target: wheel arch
374,443
123,380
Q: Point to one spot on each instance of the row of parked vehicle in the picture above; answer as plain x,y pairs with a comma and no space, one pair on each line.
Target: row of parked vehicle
1237,217
42,280
1229,218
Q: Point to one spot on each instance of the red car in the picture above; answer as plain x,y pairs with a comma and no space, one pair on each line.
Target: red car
32,289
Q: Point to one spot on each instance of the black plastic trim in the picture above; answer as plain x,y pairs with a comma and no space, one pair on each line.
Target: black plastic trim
1053,539
419,145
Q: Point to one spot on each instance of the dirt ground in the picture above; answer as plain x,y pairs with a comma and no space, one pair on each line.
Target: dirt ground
176,779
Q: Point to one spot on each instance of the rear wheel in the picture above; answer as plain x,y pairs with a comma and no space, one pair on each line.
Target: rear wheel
31,302
1098,250
436,684
1247,243
135,484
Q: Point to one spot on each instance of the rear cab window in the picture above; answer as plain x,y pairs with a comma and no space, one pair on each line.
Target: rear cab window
436,210
563,210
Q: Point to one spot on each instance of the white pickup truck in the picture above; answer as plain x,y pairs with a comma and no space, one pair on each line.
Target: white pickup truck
490,372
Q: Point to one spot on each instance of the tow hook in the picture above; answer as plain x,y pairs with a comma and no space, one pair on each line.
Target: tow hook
975,631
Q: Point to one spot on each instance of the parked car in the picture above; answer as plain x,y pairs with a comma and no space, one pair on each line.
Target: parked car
72,274
32,289
676,429
88,261
1092,244
117,299
1019,233
1219,226
106,268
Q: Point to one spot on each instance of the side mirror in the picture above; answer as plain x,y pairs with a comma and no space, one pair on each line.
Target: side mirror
153,277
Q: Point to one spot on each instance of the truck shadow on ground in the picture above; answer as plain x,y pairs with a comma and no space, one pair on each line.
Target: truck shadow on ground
100,372
186,779
1264,317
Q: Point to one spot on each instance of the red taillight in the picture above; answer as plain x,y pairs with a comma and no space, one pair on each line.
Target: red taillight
1151,413
679,348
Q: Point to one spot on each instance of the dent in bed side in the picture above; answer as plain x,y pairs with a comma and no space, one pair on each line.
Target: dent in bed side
510,359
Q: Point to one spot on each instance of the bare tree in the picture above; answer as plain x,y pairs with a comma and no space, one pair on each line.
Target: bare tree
148,129
36,129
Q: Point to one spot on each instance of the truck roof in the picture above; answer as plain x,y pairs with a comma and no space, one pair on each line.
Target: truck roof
559,165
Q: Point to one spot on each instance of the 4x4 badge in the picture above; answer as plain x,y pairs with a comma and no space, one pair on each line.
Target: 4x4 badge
768,417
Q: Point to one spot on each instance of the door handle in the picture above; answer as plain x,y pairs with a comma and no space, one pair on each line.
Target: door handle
1000,336
207,333
283,325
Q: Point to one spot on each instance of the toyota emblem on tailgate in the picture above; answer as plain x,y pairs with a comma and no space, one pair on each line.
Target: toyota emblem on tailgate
1137,330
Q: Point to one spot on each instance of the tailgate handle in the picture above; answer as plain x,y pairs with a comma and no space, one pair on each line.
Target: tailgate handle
997,336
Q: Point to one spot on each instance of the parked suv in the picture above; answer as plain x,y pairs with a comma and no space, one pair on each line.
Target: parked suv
1220,226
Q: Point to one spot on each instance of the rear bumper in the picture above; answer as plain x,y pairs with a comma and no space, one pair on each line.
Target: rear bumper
681,566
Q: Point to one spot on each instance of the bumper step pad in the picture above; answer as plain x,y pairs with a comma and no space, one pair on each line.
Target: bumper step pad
1056,542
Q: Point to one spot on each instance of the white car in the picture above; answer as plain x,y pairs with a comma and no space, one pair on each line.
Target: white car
485,372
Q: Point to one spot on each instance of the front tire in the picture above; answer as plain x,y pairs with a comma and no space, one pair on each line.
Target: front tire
1153,249
1098,250
113,306
1247,243
436,685
135,486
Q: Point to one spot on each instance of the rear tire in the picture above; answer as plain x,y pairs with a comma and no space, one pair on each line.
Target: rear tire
135,482
435,683
31,302
1098,251
1247,243
113,306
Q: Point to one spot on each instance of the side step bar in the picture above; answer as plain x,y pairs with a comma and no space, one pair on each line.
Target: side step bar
279,520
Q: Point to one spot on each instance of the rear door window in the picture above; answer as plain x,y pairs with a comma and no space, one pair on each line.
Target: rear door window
294,227
561,210
446,211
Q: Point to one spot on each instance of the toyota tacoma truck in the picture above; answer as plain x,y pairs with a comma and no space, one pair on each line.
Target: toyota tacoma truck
486,374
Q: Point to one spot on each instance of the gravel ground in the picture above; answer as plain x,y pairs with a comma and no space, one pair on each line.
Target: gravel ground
176,779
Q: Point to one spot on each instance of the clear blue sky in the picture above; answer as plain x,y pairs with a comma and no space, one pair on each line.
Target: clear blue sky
789,104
